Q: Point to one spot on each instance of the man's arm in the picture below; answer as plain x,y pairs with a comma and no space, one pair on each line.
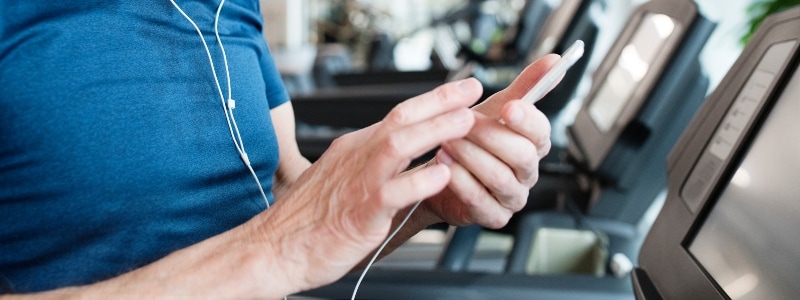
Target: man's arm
292,164
230,265
333,214
492,168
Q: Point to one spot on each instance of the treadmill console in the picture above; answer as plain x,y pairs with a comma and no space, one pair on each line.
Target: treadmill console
728,227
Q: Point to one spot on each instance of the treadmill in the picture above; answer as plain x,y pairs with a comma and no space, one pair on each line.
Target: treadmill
728,228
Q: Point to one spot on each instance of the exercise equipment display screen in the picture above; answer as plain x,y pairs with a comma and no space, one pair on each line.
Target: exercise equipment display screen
630,68
749,242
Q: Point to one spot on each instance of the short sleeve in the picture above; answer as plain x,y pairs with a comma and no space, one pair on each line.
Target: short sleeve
276,91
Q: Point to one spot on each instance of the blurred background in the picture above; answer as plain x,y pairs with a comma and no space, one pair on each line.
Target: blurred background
616,115
347,62
379,35
392,50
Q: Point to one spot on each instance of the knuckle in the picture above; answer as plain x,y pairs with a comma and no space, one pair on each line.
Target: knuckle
501,180
544,150
393,146
542,134
507,195
529,169
519,203
340,142
492,174
513,195
400,114
474,198
442,93
534,178
497,222
465,148
530,160
485,136
543,140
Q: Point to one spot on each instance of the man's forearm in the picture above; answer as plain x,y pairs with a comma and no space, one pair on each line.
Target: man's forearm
231,265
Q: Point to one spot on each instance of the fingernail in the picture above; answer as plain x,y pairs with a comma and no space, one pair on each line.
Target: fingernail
468,86
443,158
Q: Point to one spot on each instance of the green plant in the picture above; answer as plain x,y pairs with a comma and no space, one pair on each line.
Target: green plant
761,9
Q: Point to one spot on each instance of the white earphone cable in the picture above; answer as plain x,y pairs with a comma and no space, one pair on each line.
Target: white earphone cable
233,128
380,249
230,104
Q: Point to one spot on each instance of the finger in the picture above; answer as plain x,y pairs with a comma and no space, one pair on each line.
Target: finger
524,82
479,204
493,175
403,144
442,99
530,123
405,190
400,147
513,149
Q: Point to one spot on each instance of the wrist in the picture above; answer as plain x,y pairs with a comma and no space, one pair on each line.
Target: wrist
276,267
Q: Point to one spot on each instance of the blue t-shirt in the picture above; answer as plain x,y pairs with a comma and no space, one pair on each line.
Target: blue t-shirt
114,147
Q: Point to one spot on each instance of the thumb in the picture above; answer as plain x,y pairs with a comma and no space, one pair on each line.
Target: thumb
526,79
411,187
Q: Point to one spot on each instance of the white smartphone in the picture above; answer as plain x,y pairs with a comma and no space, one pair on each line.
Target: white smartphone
551,78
